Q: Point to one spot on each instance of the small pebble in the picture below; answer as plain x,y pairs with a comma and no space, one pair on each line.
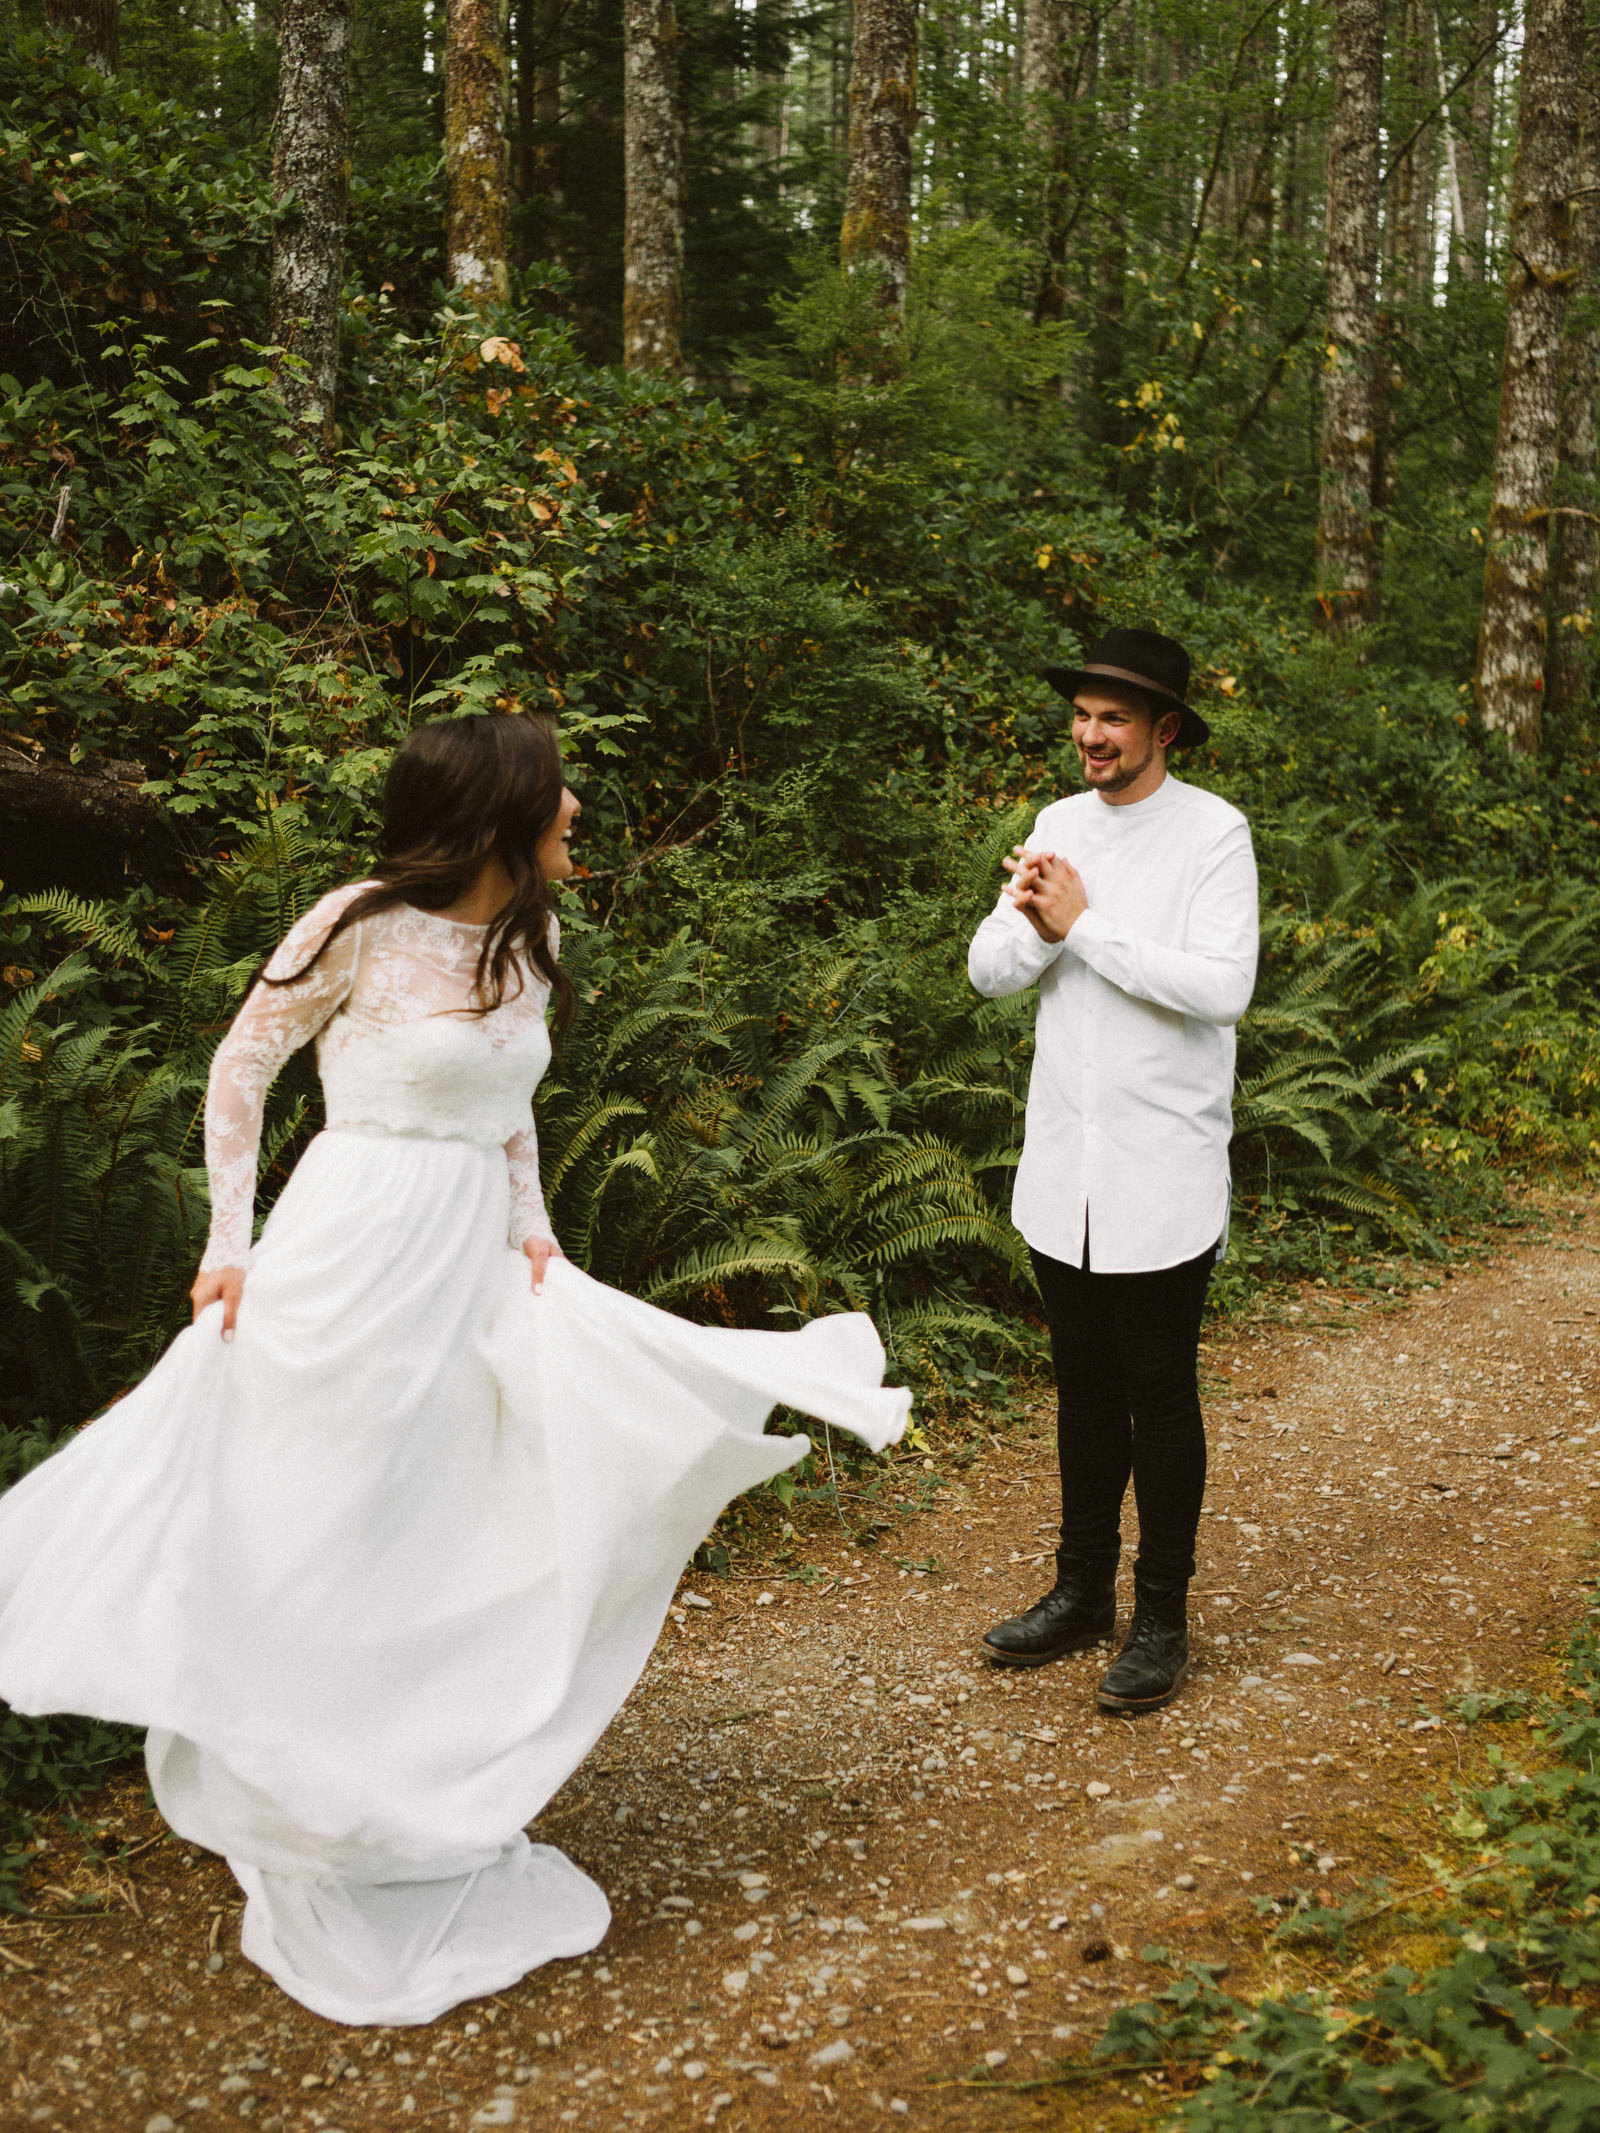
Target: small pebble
839,2053
1015,1974
994,2058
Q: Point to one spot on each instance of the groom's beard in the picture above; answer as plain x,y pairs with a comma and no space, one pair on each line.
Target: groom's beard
1119,772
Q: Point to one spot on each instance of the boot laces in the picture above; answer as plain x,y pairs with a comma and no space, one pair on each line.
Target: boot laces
1147,1631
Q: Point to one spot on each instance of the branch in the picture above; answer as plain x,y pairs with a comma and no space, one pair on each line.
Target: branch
1489,45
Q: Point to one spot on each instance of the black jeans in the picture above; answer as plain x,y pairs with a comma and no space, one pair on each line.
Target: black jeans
1125,1349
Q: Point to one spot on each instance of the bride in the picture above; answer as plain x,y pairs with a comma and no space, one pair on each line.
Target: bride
386,1537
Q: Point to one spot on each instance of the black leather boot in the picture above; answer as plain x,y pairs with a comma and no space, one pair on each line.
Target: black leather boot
1080,1609
1153,1663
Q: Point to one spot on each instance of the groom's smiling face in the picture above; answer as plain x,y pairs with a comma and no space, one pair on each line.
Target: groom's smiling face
1117,739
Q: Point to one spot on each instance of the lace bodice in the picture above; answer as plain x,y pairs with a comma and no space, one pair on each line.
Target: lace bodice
394,1050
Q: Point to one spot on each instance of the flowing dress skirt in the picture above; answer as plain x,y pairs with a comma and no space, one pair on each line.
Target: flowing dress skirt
377,1574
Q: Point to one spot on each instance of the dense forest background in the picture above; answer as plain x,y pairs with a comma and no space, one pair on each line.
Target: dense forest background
767,392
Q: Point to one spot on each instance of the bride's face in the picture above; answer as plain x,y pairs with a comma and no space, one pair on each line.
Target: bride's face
553,852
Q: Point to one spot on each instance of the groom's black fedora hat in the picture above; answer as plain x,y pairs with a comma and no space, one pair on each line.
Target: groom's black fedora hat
1143,660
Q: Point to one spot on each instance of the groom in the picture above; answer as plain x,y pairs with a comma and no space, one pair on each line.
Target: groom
1132,907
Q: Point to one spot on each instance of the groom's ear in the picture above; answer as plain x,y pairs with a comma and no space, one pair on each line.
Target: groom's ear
1167,728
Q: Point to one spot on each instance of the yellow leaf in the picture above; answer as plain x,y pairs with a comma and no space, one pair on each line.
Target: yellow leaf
497,349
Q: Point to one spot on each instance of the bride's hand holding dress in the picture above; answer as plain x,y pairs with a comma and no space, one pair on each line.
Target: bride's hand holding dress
223,1285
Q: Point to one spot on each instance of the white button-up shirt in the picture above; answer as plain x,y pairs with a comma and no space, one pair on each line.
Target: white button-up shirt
1130,1106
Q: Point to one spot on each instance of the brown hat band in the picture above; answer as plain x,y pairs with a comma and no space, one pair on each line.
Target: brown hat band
1139,681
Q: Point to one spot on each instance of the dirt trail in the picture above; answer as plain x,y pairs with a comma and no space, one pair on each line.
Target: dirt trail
848,1860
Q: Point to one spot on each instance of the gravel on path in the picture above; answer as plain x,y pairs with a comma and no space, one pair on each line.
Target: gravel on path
847,1858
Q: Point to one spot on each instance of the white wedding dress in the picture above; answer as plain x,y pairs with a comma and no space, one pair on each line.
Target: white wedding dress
377,1574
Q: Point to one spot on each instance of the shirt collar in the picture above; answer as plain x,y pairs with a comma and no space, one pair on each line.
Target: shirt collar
1156,803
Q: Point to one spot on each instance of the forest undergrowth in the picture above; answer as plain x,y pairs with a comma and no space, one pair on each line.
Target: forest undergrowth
1460,2001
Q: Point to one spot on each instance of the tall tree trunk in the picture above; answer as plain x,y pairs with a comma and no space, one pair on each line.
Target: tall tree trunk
1046,26
841,36
1428,153
1447,135
652,297
1344,501
310,165
525,45
1271,81
1046,30
1511,641
876,236
1400,217
1108,349
476,161
539,160
1575,538
94,26
1475,128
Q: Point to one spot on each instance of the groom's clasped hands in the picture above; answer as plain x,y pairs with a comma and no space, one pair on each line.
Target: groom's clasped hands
1047,889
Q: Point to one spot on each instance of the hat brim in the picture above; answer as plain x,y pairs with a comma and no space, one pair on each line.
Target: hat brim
1193,732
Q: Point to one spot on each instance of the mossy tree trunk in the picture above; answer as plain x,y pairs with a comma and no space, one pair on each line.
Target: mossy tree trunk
1575,536
1344,500
876,234
310,183
94,26
652,292
1514,630
476,158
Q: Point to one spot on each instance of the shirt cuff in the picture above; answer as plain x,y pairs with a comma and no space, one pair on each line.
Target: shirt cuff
1039,954
1090,930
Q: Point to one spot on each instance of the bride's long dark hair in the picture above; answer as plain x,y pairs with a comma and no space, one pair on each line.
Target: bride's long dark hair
459,792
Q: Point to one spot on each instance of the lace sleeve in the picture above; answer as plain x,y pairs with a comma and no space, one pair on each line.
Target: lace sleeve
273,1022
528,1214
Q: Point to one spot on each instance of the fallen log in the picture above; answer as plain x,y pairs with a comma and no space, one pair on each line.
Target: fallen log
88,827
